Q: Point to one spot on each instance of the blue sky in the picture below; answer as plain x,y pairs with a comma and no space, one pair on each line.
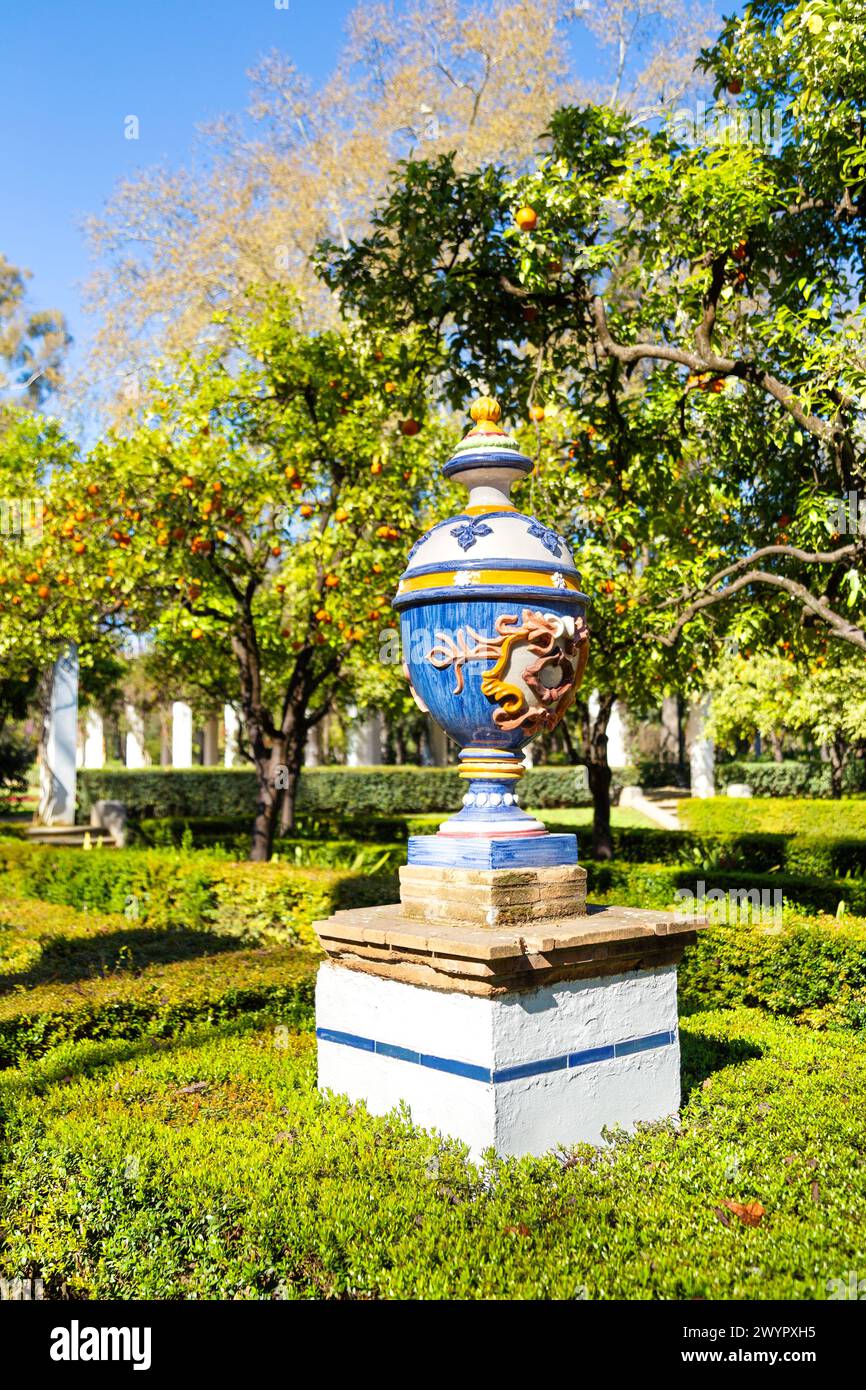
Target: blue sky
71,71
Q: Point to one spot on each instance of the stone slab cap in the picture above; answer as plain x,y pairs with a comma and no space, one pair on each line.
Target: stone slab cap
502,959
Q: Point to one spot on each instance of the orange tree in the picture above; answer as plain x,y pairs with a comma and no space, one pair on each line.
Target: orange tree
257,521
696,297
53,585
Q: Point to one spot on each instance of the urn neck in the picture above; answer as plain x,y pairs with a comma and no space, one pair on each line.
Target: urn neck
492,498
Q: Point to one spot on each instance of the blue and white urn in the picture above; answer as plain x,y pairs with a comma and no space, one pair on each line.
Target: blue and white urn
495,643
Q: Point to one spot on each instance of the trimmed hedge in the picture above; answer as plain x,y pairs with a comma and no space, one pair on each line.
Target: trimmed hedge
207,792
725,814
813,971
656,885
198,890
790,778
213,1169
233,832
804,856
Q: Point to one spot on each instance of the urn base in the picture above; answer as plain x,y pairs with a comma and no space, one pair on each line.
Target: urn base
500,852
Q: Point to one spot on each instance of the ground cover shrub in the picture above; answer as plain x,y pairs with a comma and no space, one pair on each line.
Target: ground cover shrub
657,886
196,889
211,1168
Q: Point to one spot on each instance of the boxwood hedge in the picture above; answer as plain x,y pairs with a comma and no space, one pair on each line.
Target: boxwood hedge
212,1168
231,792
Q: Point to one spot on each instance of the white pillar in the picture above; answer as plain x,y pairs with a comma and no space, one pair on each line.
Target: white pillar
702,750
312,747
210,746
617,734
232,728
364,747
181,734
135,754
94,740
617,738
57,776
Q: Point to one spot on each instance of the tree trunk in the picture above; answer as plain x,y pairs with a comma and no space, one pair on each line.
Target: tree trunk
593,756
836,751
600,779
268,798
776,745
294,761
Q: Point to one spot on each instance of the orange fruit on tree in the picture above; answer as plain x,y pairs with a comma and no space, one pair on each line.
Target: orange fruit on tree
187,482
79,547
390,386
276,550
196,634
526,218
307,510
331,580
43,591
290,471
341,514
409,427
536,412
92,489
376,468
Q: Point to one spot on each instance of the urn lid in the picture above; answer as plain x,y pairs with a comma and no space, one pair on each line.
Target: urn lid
491,548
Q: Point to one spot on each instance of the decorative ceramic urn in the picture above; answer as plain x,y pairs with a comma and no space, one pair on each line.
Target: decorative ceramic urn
494,641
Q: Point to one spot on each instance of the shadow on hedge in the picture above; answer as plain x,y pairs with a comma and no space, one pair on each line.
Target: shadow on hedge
65,959
702,1056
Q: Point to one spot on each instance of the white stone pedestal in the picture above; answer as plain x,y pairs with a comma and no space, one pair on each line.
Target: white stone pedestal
519,1038
522,1073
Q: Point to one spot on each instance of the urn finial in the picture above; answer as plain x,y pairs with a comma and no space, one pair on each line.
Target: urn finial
486,412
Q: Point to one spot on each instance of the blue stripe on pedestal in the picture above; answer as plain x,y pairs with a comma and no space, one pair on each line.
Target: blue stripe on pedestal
466,852
518,1072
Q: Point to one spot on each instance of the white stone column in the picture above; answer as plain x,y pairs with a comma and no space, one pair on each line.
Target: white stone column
364,745
312,747
617,734
617,738
210,746
57,774
702,750
181,734
94,740
135,754
232,728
